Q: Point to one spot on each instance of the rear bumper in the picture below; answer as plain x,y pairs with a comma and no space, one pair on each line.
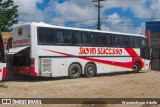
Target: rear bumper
24,70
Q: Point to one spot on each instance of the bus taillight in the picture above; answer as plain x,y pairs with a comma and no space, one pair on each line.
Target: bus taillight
4,73
32,67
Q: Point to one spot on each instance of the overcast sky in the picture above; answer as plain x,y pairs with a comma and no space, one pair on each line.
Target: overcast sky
122,15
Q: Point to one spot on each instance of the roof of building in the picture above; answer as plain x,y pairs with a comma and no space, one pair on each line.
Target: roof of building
153,26
6,33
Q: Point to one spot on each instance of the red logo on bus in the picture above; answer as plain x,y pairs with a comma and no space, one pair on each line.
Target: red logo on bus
20,31
100,51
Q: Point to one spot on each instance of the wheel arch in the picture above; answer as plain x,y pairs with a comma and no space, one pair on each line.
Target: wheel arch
78,64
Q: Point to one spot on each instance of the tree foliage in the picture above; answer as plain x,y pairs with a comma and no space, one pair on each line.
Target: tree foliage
8,14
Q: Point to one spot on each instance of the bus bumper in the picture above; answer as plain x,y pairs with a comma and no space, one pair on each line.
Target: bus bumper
24,70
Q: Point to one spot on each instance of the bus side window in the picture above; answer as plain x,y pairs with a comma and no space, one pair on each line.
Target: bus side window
41,36
86,38
115,40
120,40
132,42
108,40
68,37
59,37
77,38
50,36
94,39
101,40
126,41
137,42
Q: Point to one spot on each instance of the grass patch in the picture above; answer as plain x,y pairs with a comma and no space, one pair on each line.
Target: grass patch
3,86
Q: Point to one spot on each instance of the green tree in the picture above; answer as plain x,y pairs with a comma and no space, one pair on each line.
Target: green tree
8,14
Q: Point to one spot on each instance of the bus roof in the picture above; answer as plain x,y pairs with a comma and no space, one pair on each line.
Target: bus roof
42,24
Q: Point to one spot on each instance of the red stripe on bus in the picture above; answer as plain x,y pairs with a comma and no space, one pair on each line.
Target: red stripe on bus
59,52
129,65
132,53
4,73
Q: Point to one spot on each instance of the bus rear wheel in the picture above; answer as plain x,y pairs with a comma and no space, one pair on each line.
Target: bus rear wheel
136,67
89,70
74,71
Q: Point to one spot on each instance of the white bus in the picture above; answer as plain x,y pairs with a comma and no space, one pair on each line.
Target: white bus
2,60
41,49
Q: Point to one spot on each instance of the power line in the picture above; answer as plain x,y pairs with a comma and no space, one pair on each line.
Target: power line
111,26
132,2
91,20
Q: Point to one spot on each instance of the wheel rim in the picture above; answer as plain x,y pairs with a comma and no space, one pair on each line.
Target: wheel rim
90,70
135,68
75,71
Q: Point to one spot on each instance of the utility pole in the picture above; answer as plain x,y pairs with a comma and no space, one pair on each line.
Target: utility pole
99,6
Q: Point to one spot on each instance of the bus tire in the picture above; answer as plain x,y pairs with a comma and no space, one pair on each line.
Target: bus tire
89,70
74,71
136,67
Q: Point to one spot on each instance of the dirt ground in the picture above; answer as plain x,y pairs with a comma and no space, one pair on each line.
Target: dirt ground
115,85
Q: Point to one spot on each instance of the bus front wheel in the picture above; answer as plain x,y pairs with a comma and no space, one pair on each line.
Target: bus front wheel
90,70
74,71
136,67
